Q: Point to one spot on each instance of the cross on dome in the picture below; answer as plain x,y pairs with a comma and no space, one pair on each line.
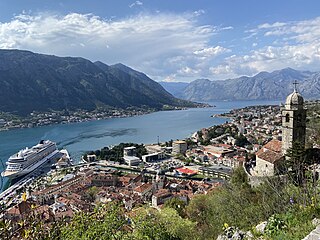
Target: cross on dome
294,99
295,83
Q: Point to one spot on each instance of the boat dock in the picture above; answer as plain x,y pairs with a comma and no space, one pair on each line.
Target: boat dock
10,192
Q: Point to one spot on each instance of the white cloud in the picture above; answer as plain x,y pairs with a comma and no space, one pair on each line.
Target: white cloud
227,28
274,25
158,44
136,3
293,44
221,70
199,12
170,78
187,71
211,51
168,46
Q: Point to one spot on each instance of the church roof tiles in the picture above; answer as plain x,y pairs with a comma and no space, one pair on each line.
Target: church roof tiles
270,156
271,152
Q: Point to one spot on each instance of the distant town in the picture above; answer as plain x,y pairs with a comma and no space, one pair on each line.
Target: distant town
37,119
146,174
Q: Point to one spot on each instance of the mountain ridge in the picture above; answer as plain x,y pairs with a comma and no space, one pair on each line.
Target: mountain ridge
39,82
262,86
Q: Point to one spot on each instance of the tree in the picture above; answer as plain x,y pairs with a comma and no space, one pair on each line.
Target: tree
106,222
177,204
167,224
240,178
241,141
296,163
91,194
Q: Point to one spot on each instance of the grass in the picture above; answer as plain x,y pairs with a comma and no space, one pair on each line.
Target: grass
199,176
297,224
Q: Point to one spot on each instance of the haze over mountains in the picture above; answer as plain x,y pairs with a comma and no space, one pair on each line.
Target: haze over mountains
37,82
263,86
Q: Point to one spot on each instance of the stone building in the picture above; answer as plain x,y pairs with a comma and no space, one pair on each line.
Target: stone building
179,147
270,158
293,121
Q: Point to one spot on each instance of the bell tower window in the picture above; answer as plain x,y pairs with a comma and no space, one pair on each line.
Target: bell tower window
287,117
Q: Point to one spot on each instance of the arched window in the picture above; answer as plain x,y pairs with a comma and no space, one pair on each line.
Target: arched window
287,117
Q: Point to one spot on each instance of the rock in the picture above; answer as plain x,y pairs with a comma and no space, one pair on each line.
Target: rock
261,227
222,237
314,235
232,234
249,235
315,222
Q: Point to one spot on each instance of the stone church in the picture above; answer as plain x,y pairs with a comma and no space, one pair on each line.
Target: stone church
270,157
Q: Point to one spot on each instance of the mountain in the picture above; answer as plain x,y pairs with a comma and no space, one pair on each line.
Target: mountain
37,82
175,88
263,86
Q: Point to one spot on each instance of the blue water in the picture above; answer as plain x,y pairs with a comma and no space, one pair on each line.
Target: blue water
80,137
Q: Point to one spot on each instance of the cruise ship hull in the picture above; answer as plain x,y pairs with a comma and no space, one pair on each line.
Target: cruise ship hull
29,169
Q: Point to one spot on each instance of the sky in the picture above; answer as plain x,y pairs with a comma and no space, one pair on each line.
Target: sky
170,40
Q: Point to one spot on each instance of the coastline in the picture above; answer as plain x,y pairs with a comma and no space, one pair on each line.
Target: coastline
80,140
39,119
28,123
10,121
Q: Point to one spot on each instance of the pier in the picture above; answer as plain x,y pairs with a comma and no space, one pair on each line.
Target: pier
26,179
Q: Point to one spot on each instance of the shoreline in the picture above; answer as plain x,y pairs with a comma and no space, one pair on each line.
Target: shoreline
216,115
31,124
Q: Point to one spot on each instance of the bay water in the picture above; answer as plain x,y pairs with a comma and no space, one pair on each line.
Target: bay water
78,138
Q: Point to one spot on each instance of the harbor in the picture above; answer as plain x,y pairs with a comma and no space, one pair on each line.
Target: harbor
18,185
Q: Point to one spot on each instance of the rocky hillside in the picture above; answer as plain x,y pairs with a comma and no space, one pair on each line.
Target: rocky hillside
263,86
36,82
175,88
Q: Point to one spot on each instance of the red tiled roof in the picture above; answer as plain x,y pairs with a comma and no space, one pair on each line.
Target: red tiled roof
14,210
124,179
186,171
224,145
274,145
271,152
162,193
143,187
270,156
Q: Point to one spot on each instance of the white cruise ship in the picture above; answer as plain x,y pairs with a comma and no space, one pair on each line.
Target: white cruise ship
28,159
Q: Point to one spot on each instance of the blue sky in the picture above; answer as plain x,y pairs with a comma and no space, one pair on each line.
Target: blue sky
180,40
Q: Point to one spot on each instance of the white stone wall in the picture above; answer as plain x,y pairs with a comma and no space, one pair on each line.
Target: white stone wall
264,168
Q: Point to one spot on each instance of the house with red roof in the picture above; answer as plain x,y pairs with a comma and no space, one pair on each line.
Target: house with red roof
186,171
269,159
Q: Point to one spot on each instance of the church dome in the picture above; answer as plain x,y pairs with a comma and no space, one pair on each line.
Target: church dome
294,99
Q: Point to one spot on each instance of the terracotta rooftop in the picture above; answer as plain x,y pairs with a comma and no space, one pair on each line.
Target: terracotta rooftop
224,145
143,187
14,210
186,171
270,156
274,145
271,152
41,209
124,180
162,193
62,214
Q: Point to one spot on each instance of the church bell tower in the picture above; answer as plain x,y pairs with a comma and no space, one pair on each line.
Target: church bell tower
293,120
